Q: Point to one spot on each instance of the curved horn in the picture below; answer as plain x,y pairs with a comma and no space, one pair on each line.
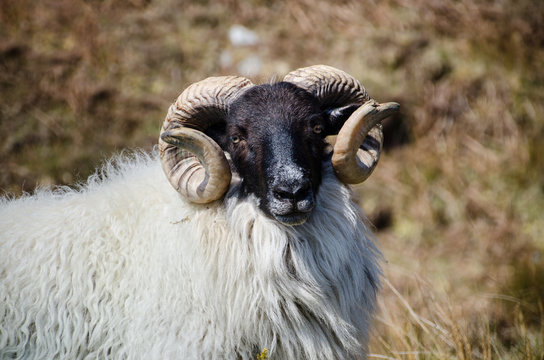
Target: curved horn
359,142
333,87
194,164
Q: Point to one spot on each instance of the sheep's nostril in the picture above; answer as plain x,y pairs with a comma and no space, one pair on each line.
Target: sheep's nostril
296,192
283,194
302,192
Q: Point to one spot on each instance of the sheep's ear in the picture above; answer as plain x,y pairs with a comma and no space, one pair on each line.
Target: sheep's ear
336,117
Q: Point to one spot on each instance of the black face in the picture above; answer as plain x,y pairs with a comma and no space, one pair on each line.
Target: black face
275,136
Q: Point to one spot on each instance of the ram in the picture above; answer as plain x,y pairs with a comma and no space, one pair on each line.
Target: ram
239,233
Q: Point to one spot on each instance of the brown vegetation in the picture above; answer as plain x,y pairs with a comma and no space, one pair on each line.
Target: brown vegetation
457,198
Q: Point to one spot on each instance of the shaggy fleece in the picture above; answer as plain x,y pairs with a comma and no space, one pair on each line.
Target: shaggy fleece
124,268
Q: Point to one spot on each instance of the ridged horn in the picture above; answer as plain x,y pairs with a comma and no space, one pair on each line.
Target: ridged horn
359,142
333,87
193,162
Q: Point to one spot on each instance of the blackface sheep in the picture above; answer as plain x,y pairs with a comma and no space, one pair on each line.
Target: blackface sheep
252,239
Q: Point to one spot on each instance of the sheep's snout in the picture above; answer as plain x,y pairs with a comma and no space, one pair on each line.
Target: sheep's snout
292,200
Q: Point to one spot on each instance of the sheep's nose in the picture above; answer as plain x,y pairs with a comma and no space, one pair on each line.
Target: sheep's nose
292,191
297,192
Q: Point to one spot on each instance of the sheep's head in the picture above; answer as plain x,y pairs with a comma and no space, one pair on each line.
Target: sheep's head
274,135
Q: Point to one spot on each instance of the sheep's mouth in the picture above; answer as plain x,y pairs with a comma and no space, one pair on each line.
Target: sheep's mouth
292,219
291,213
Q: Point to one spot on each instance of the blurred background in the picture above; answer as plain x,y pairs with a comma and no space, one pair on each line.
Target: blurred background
458,197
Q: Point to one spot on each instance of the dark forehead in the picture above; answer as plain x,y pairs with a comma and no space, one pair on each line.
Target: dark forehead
274,103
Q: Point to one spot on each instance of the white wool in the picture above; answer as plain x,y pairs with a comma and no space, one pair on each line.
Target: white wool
125,268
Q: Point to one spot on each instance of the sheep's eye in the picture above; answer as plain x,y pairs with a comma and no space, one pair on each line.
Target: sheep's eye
235,139
318,129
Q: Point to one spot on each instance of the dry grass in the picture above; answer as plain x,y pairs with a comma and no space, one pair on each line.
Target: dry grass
457,199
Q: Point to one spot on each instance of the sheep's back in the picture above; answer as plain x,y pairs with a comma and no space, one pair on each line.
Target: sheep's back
76,265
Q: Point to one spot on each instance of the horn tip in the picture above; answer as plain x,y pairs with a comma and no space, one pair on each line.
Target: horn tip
168,138
393,106
165,135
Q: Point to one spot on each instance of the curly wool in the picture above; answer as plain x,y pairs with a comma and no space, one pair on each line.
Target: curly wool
125,268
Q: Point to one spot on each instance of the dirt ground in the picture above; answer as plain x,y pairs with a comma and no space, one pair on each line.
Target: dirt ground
458,196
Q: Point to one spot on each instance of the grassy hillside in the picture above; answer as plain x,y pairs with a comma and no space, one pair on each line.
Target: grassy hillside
458,197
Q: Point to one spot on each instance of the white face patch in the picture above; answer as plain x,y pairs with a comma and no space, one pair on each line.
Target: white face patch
289,173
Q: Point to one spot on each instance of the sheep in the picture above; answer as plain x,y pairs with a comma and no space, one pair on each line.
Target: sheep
239,233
